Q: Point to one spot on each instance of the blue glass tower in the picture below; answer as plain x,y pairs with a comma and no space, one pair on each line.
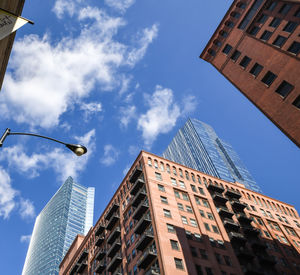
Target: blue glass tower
69,212
197,145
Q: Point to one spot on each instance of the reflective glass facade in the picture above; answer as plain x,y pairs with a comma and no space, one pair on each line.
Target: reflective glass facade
68,213
197,145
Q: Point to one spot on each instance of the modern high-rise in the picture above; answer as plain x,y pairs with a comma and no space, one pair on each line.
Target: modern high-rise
158,222
15,7
257,48
69,212
197,145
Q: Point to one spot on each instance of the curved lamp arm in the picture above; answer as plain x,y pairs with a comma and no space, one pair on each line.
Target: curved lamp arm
75,148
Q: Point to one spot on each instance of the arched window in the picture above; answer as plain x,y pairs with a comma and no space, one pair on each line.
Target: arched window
149,162
187,175
174,171
168,168
155,164
193,177
162,167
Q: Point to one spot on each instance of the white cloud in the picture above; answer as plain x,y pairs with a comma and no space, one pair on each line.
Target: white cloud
110,156
90,109
119,5
26,209
25,238
65,163
161,116
7,194
189,104
133,150
50,77
126,115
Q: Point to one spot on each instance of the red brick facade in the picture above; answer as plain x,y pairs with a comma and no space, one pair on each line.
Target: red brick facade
168,219
254,38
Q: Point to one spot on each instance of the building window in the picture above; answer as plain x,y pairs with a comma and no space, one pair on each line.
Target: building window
178,263
181,184
203,254
187,175
215,229
185,196
174,171
197,200
227,260
189,209
271,6
207,226
180,206
177,195
210,216
163,199
219,258
236,54
269,78
168,168
267,234
235,14
155,164
275,22
229,24
167,213
227,49
201,191
208,271
149,162
279,41
284,88
212,53
133,253
205,203
193,222
170,228
245,61
184,220
251,12
173,181
158,176
194,251
256,69
194,188
266,36
180,173
254,30
161,188
217,43
290,26
197,237
223,33
285,9
162,167
174,244
296,102
294,48
241,5
262,19
202,213
193,178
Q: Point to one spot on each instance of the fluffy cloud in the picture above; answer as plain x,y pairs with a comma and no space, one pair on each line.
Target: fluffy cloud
161,116
26,209
126,115
110,156
25,238
119,5
50,77
90,109
64,162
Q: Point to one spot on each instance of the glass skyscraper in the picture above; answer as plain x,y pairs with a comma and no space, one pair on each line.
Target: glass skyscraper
197,145
69,212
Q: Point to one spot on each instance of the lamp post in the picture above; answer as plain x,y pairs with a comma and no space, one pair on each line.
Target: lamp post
78,149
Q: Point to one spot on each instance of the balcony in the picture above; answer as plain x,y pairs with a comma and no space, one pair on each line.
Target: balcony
136,186
237,238
266,260
145,240
219,198
74,269
244,254
82,267
112,210
113,220
147,258
243,219
99,230
230,225
251,231
215,188
99,241
114,235
144,222
140,210
83,255
114,263
153,270
100,267
100,255
135,174
225,212
114,248
236,204
233,194
141,195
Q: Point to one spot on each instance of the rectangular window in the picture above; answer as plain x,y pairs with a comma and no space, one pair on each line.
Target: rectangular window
207,226
271,6
227,260
184,220
158,176
279,41
294,48
229,24
173,181
251,12
218,257
285,9
266,36
208,271
254,30
205,203
199,269
215,229
194,251
177,195
197,200
174,244
262,19
227,49
275,22
193,188
202,213
180,206
296,102
185,196
269,78
236,54
181,184
210,216
170,228
245,62
267,234
284,88
256,69
161,187
201,191
167,213
193,222
163,199
290,26
189,209
203,254
178,263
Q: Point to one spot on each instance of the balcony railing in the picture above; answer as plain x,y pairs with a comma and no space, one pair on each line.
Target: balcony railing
140,210
141,195
82,267
115,262
112,210
145,240
238,204
219,198
113,220
135,174
115,247
99,241
101,254
100,267
144,222
114,235
83,255
237,238
136,186
147,258
225,212
231,225
99,230
215,188
233,194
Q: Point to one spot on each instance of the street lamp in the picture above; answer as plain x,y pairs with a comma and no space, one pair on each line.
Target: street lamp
78,149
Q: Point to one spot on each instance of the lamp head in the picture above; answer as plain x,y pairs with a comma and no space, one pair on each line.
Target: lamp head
78,149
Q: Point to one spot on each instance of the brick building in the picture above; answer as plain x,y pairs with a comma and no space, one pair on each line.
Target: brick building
257,48
159,222
15,7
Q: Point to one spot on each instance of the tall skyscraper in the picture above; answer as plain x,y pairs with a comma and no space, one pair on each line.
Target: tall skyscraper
69,212
257,48
197,145
158,222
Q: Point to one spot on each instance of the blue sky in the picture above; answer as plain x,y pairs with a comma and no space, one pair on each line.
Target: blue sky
118,76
